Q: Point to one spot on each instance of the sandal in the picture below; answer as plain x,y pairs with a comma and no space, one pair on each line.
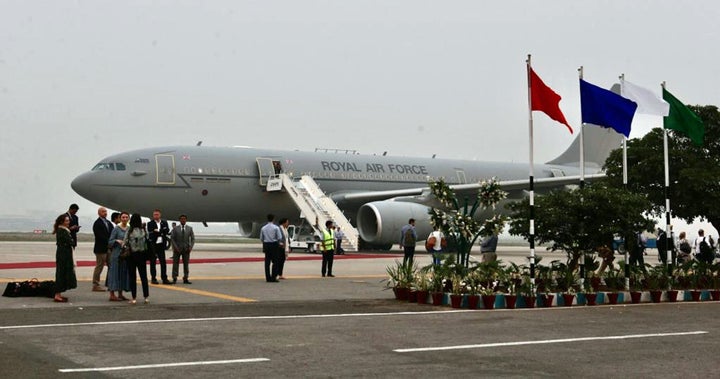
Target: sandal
115,298
122,298
60,300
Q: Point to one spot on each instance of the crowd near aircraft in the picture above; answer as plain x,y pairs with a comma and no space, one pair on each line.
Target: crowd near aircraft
376,193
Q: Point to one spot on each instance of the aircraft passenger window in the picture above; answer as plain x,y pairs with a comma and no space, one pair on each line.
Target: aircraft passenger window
120,166
102,166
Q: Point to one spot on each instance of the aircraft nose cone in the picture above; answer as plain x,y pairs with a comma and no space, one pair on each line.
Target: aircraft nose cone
81,184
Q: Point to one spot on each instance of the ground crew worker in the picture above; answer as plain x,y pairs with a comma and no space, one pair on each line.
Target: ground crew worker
328,249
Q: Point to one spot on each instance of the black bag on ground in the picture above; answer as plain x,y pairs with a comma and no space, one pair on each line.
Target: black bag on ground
30,288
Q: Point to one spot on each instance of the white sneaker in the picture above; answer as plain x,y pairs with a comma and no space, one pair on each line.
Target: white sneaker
147,300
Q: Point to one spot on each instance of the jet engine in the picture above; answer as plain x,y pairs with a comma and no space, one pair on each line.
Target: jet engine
379,222
249,229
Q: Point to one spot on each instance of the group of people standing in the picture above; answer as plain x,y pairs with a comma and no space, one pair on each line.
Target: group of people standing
276,247
124,245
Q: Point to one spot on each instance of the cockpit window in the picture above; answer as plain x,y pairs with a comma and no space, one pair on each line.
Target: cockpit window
103,166
109,166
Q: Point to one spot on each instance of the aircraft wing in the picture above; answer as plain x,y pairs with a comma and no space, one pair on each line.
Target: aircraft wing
422,194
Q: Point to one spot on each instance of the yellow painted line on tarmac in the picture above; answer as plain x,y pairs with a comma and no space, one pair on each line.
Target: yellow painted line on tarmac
205,293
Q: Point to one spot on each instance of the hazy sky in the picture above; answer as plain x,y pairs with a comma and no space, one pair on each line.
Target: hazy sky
80,80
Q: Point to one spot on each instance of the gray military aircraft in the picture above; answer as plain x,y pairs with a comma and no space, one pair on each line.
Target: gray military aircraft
377,193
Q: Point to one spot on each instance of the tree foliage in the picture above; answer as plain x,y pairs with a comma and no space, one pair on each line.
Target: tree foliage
694,189
581,220
458,219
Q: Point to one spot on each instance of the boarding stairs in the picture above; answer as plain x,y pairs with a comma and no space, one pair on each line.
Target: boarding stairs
315,206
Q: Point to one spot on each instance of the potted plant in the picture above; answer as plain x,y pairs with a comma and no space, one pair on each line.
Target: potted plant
715,292
422,283
472,290
615,283
636,284
525,290
458,287
656,281
589,290
400,279
514,279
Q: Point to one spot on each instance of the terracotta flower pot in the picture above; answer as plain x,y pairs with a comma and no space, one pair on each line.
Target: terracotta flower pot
488,301
591,298
437,298
455,300
473,301
672,295
401,293
422,297
655,296
695,294
547,300
568,299
715,295
612,297
529,301
635,296
412,296
510,301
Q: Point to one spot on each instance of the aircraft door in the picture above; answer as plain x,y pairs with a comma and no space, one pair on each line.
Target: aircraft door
266,169
165,169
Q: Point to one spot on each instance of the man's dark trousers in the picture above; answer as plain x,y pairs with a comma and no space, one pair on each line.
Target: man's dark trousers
409,254
158,250
271,250
327,262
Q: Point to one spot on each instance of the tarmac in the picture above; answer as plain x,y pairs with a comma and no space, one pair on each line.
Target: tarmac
230,323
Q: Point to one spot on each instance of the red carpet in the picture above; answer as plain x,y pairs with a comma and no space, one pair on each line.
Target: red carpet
51,264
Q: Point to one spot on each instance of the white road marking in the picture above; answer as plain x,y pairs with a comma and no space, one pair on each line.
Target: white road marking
238,318
198,363
540,342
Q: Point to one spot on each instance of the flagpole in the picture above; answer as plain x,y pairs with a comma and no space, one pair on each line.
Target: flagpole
625,186
581,259
668,251
531,189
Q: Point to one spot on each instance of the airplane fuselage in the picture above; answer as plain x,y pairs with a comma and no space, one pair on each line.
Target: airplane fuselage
226,184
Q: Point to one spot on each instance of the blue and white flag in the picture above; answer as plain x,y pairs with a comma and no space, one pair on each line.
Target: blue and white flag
606,108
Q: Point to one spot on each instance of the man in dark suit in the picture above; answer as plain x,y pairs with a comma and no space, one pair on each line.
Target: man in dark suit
182,240
101,229
158,231
74,223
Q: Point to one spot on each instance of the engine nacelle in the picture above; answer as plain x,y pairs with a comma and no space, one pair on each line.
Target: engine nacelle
249,229
380,222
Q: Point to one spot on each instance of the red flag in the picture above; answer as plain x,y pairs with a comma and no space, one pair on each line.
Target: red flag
545,100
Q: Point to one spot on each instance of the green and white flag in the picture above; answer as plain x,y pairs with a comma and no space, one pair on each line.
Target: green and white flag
682,119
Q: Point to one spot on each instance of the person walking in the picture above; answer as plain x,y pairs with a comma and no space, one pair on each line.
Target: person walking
408,239
137,239
101,230
328,249
284,246
117,277
182,240
158,230
435,244
65,278
271,237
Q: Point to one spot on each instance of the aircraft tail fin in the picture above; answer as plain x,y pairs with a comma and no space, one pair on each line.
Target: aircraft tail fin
599,142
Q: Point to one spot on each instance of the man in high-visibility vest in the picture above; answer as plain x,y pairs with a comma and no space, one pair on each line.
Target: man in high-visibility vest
328,248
